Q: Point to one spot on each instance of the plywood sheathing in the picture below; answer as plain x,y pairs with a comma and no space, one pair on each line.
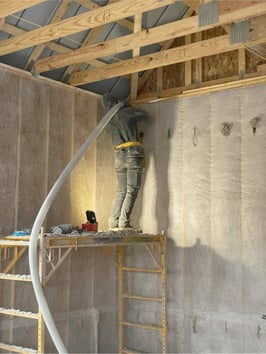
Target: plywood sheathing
219,66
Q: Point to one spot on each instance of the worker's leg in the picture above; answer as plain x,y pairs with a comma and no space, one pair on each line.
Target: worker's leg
134,174
121,188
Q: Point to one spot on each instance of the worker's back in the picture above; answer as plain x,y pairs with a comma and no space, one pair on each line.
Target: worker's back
124,126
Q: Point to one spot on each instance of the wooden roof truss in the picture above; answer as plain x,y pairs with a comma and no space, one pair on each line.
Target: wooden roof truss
181,42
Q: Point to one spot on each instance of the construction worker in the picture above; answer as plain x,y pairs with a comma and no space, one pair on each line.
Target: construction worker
129,160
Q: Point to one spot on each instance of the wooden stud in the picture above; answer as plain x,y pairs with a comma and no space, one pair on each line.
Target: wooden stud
198,62
39,49
159,81
9,7
241,63
180,54
136,40
135,53
85,21
188,65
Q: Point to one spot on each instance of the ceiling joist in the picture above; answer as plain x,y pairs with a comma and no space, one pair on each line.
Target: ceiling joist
144,38
85,21
179,41
8,7
180,54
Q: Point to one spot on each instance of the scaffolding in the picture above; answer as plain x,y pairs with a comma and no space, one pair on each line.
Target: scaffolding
54,249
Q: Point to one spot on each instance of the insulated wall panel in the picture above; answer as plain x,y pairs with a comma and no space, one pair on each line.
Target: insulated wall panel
145,206
9,149
253,108
196,171
226,215
59,125
216,217
175,244
164,131
105,170
196,219
32,187
40,130
82,194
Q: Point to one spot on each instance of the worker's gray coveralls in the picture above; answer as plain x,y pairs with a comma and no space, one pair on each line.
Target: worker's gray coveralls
129,160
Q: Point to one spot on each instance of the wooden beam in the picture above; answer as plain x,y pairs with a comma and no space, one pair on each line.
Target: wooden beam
171,56
90,38
188,65
9,7
57,17
2,22
135,53
224,5
241,63
165,32
92,6
56,47
85,21
88,4
166,45
208,86
259,50
198,64
159,81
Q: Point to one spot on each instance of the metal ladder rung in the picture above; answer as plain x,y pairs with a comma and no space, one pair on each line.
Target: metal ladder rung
130,351
139,325
144,298
18,313
17,349
143,270
17,277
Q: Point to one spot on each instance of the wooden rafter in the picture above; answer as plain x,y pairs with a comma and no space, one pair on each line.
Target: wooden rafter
136,53
139,39
59,48
8,7
37,51
91,38
85,21
180,54
195,44
2,21
224,5
166,45
90,5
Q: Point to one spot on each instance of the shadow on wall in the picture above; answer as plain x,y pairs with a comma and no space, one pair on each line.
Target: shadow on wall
212,303
156,141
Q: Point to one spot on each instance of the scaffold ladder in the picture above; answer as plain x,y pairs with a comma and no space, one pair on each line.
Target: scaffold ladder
11,252
157,250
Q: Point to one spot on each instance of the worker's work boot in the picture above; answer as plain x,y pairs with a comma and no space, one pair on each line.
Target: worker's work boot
130,228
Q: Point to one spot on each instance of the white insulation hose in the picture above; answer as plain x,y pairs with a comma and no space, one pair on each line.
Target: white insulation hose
33,254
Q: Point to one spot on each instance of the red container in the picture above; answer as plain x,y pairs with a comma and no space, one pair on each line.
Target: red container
90,227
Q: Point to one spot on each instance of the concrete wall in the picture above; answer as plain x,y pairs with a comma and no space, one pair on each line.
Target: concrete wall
205,185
